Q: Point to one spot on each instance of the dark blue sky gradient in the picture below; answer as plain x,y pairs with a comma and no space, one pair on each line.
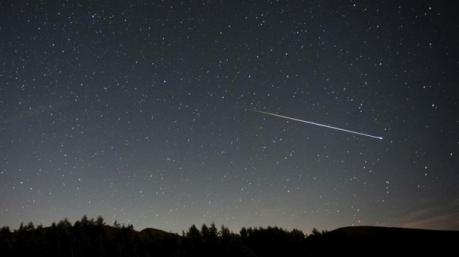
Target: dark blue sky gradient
139,111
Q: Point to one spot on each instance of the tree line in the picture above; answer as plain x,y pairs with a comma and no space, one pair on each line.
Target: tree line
93,237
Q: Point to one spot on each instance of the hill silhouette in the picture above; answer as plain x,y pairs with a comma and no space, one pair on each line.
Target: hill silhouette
89,237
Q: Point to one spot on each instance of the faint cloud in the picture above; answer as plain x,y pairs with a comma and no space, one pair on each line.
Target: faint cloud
443,217
449,221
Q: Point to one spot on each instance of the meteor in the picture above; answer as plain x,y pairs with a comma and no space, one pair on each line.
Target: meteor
317,124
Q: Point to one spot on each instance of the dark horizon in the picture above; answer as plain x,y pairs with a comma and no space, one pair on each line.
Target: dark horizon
139,229
93,237
141,112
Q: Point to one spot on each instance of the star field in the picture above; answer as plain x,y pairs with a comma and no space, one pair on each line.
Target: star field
139,111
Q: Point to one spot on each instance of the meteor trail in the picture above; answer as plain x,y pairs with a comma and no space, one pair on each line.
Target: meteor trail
318,124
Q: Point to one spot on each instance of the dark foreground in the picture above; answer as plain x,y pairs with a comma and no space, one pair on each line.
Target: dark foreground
95,238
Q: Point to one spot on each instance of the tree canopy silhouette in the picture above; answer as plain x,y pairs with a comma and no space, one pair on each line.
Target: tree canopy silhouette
93,237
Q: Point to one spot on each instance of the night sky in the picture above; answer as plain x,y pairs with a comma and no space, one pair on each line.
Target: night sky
142,112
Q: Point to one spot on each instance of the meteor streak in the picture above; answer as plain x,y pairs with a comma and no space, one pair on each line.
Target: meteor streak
318,124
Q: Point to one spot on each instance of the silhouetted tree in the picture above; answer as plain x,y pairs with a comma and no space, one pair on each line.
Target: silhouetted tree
116,224
100,221
213,231
84,221
243,233
204,232
64,224
194,233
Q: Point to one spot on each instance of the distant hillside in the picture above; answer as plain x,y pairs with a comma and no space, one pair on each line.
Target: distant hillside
157,234
390,233
89,237
388,240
